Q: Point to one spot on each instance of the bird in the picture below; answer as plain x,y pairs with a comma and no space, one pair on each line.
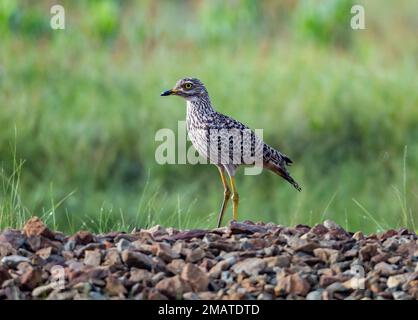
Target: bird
212,134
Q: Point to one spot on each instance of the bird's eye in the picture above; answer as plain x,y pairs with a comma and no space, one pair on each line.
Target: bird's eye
187,85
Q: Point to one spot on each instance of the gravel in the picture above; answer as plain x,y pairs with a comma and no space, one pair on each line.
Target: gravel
253,261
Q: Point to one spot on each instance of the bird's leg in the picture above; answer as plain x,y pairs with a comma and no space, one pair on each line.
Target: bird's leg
235,198
227,195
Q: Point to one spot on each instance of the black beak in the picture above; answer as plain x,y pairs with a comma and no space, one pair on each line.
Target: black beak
168,93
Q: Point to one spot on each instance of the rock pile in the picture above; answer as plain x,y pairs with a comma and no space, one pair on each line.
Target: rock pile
241,261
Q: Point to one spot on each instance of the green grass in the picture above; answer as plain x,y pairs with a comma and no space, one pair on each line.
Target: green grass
79,110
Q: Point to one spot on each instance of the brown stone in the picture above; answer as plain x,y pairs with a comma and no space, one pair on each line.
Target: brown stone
277,261
198,279
44,253
164,251
195,255
303,245
176,266
35,227
112,258
216,270
114,287
292,284
368,251
358,236
83,237
139,275
136,259
239,227
326,280
92,258
31,278
173,287
386,269
250,266
327,255
6,249
4,275
14,237
319,229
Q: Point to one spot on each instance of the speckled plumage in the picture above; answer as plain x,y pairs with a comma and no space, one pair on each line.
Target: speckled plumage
202,119
226,142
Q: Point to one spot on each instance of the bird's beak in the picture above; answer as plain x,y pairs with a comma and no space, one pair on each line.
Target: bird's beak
169,92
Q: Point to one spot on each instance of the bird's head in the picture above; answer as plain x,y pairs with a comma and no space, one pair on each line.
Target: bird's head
188,88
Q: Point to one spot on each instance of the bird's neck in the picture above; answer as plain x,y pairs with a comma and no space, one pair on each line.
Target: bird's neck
199,105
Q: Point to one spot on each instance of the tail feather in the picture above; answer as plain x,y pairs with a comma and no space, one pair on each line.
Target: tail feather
284,174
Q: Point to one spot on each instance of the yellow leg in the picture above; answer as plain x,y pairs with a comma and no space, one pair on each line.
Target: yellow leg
227,195
235,199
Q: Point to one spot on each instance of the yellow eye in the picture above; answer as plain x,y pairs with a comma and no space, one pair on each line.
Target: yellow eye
188,85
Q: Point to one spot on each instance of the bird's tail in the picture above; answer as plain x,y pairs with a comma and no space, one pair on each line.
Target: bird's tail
284,174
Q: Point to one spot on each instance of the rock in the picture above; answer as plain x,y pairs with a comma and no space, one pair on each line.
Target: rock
13,261
358,236
319,229
114,287
173,287
190,296
176,266
44,253
197,279
355,283
154,294
368,251
187,235
91,246
157,231
42,290
329,224
35,227
112,258
314,295
224,245
292,284
397,280
66,295
6,249
394,260
31,278
139,275
4,275
123,244
386,269
400,295
70,245
238,227
336,287
137,260
325,280
165,252
206,295
39,242
327,255
250,266
195,255
92,258
83,237
216,270
14,237
387,234
299,244
96,296
281,261
157,277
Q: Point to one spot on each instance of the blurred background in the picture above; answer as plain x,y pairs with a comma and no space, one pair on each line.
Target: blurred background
79,109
